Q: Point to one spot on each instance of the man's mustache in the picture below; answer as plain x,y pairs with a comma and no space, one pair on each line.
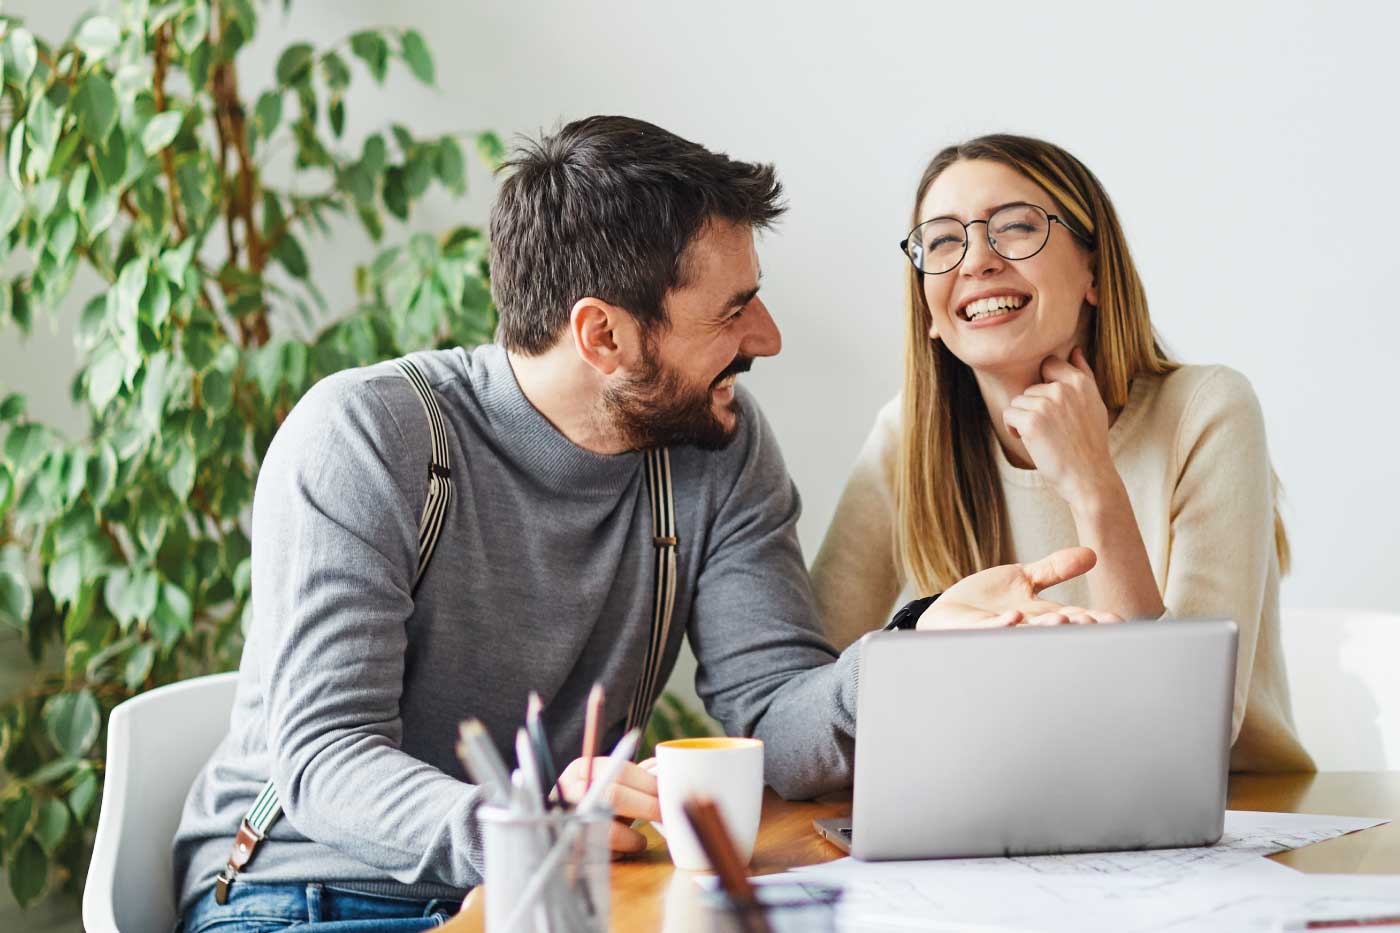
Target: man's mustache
741,364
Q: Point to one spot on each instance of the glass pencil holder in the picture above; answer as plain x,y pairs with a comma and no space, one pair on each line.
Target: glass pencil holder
781,907
546,873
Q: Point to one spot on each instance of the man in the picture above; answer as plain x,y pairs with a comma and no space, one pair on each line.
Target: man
624,268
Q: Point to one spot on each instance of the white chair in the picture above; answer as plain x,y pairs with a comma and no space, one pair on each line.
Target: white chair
1344,675
156,744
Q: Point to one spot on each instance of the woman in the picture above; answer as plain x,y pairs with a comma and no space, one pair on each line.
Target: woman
1039,410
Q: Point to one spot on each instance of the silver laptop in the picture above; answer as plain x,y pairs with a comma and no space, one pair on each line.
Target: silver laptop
1024,741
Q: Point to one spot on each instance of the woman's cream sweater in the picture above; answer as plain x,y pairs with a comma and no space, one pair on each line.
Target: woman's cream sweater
1191,450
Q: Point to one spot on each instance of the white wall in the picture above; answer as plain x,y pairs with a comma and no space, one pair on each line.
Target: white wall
1249,147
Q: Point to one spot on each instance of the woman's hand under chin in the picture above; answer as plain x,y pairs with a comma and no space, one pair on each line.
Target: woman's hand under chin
1064,424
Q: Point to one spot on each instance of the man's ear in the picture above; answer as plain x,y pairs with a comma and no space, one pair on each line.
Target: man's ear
606,337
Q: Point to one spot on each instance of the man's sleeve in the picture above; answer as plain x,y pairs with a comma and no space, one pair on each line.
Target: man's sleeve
765,668
334,554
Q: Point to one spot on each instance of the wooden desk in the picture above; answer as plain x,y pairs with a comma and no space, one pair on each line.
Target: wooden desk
649,894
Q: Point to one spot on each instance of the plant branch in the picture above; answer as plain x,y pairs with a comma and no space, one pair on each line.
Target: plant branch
167,160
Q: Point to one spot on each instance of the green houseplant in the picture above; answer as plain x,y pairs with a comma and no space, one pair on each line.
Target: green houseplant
140,165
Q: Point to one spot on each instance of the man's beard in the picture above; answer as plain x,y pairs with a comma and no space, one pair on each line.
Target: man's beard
656,409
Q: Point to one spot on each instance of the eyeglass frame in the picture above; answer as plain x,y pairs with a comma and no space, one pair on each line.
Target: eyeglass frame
986,225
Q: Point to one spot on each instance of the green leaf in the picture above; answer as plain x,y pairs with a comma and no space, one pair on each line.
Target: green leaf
374,154
7,489
174,262
29,872
98,37
14,155
337,115
130,284
491,150
416,54
161,131
109,160
267,114
16,599
99,212
96,107
72,722
155,303
192,28
83,795
55,770
75,475
290,254
174,616
294,66
21,54
51,827
42,124
450,165
131,595
371,48
62,237
65,577
138,665
102,474
396,192
181,473
336,71
11,207
217,392
105,377
26,444
15,814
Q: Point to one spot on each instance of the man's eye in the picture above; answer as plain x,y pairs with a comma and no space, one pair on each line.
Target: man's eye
737,314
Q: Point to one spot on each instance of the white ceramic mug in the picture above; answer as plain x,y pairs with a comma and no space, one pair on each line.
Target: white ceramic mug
729,771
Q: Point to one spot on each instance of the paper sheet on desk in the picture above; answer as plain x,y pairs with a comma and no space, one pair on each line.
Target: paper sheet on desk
1247,836
1225,887
1249,897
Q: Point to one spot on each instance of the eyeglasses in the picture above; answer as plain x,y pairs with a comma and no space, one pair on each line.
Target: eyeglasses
1014,231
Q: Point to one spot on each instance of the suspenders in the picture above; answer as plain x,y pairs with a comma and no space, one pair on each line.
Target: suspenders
267,808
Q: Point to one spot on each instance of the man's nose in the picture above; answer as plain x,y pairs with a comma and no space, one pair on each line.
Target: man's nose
763,337
981,258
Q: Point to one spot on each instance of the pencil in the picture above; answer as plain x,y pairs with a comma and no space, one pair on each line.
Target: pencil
590,733
548,776
718,845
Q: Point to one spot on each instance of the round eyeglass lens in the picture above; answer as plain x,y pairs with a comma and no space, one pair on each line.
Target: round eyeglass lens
1018,231
937,246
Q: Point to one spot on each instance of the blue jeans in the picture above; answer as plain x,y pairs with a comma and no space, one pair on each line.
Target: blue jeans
315,908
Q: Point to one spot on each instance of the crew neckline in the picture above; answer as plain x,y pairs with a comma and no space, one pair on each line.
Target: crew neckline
529,439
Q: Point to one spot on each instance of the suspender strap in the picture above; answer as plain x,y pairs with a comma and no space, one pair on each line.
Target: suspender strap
267,808
664,541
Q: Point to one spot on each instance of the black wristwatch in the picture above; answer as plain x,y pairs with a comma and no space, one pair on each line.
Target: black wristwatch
908,617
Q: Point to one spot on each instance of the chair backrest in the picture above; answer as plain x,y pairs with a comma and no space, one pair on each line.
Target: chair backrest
1344,675
156,744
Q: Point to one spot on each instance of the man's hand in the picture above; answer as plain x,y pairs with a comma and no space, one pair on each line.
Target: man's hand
633,797
1010,595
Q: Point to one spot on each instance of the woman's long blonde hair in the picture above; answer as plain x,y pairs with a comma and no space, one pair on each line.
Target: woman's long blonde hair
951,517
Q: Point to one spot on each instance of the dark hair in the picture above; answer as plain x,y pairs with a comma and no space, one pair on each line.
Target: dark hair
606,208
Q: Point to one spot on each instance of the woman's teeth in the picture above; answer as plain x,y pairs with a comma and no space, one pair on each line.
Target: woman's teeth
993,307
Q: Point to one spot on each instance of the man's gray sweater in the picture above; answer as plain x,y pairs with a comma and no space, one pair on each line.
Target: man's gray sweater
351,688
